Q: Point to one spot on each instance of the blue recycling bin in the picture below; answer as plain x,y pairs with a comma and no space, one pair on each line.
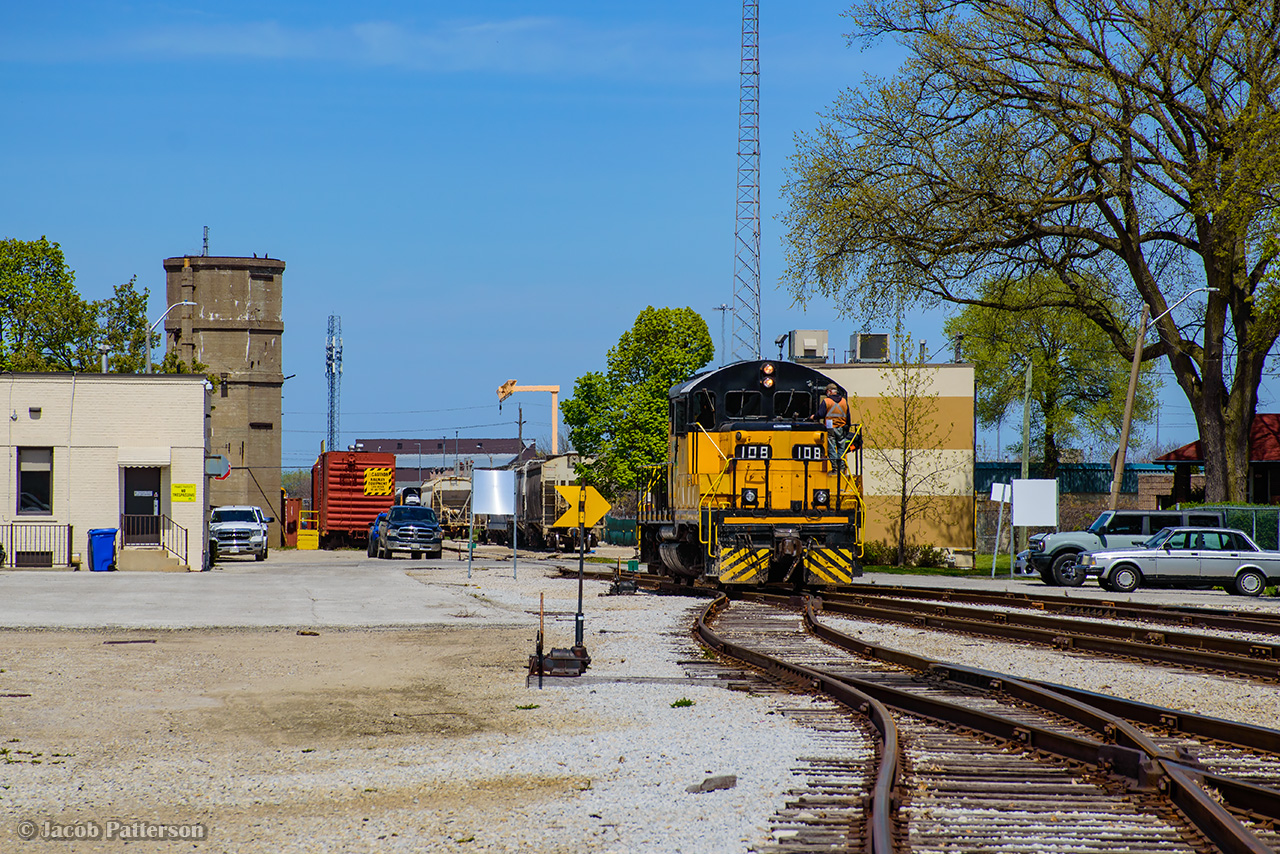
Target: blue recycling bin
102,549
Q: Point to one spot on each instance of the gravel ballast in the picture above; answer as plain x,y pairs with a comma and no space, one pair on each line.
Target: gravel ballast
368,737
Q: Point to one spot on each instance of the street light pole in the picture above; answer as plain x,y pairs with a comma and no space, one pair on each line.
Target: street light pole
152,330
1117,475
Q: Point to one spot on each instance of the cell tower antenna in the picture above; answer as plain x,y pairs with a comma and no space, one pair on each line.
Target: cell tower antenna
333,370
746,262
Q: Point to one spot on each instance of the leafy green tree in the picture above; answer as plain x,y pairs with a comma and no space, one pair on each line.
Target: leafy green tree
45,325
123,326
1078,383
1131,149
618,419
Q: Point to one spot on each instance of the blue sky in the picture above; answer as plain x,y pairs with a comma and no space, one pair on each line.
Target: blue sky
482,191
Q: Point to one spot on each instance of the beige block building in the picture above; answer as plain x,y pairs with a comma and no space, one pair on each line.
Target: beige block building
90,451
940,448
235,328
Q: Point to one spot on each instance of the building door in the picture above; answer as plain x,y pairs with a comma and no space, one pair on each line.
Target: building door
141,507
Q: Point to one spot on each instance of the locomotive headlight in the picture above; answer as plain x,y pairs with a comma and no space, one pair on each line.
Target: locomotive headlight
767,382
750,496
822,498
767,369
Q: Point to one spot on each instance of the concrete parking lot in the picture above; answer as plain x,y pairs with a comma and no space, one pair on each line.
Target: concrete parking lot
291,589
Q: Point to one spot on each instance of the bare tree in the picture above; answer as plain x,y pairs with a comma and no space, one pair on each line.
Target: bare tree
904,437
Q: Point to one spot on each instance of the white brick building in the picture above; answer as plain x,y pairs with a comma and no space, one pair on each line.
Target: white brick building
96,451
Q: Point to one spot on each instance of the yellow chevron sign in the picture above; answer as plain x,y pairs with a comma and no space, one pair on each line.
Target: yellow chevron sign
586,507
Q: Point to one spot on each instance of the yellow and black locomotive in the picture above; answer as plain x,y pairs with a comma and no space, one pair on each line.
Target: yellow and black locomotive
748,494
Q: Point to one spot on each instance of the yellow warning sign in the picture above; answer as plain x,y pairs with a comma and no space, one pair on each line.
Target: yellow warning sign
182,492
379,481
586,507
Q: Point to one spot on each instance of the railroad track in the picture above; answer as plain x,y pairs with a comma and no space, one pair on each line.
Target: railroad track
1084,604
1256,657
975,759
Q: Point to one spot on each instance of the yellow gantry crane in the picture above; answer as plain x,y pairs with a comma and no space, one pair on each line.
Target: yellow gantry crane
509,387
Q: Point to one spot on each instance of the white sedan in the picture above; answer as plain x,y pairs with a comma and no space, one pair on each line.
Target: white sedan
1188,557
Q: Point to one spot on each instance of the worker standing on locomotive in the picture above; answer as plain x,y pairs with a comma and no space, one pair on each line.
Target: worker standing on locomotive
833,411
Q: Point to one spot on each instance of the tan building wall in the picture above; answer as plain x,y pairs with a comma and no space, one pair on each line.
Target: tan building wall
235,328
945,466
99,425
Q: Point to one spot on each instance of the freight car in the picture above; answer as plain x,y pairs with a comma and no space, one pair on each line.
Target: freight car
450,497
348,491
539,506
748,494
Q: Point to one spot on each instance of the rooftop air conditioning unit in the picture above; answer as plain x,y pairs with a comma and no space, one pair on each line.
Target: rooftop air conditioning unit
869,347
808,346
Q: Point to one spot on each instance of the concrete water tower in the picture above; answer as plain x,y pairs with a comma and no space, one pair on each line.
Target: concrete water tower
235,328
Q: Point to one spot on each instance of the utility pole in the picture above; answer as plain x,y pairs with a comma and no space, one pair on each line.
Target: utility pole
1026,424
1117,472
1026,448
722,308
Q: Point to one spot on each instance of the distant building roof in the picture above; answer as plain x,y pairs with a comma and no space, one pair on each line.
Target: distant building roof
446,446
1264,444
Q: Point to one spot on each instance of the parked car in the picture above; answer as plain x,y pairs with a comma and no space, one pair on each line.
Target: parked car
1187,557
373,534
240,529
411,529
1054,555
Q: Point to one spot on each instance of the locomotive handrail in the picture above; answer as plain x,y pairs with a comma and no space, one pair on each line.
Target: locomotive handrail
704,504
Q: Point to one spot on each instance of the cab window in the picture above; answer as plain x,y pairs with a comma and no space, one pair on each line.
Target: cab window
743,404
1100,524
792,405
1178,540
1124,524
703,409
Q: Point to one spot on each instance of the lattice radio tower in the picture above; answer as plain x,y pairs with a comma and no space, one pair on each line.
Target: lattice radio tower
333,370
746,263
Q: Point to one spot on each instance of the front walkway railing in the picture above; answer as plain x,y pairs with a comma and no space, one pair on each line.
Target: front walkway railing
154,531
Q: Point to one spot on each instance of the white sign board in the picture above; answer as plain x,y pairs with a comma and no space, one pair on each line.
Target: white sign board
1001,492
493,491
1035,503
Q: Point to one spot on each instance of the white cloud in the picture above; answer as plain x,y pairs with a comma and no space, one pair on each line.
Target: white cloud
520,46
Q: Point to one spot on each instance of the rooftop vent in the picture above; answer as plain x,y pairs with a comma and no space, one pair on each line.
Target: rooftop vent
869,347
808,346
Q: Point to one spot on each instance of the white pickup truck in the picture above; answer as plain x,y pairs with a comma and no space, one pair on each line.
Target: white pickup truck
239,529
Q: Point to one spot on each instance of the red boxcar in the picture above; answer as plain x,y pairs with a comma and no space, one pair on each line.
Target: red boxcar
348,491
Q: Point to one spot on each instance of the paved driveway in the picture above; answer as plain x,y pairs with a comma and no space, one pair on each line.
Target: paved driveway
291,589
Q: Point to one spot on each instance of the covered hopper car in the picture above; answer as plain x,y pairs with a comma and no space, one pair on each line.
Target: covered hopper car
539,506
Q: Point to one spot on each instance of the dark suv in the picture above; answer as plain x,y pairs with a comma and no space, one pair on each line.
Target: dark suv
1054,555
408,528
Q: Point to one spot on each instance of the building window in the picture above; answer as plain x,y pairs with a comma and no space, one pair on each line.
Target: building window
35,480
